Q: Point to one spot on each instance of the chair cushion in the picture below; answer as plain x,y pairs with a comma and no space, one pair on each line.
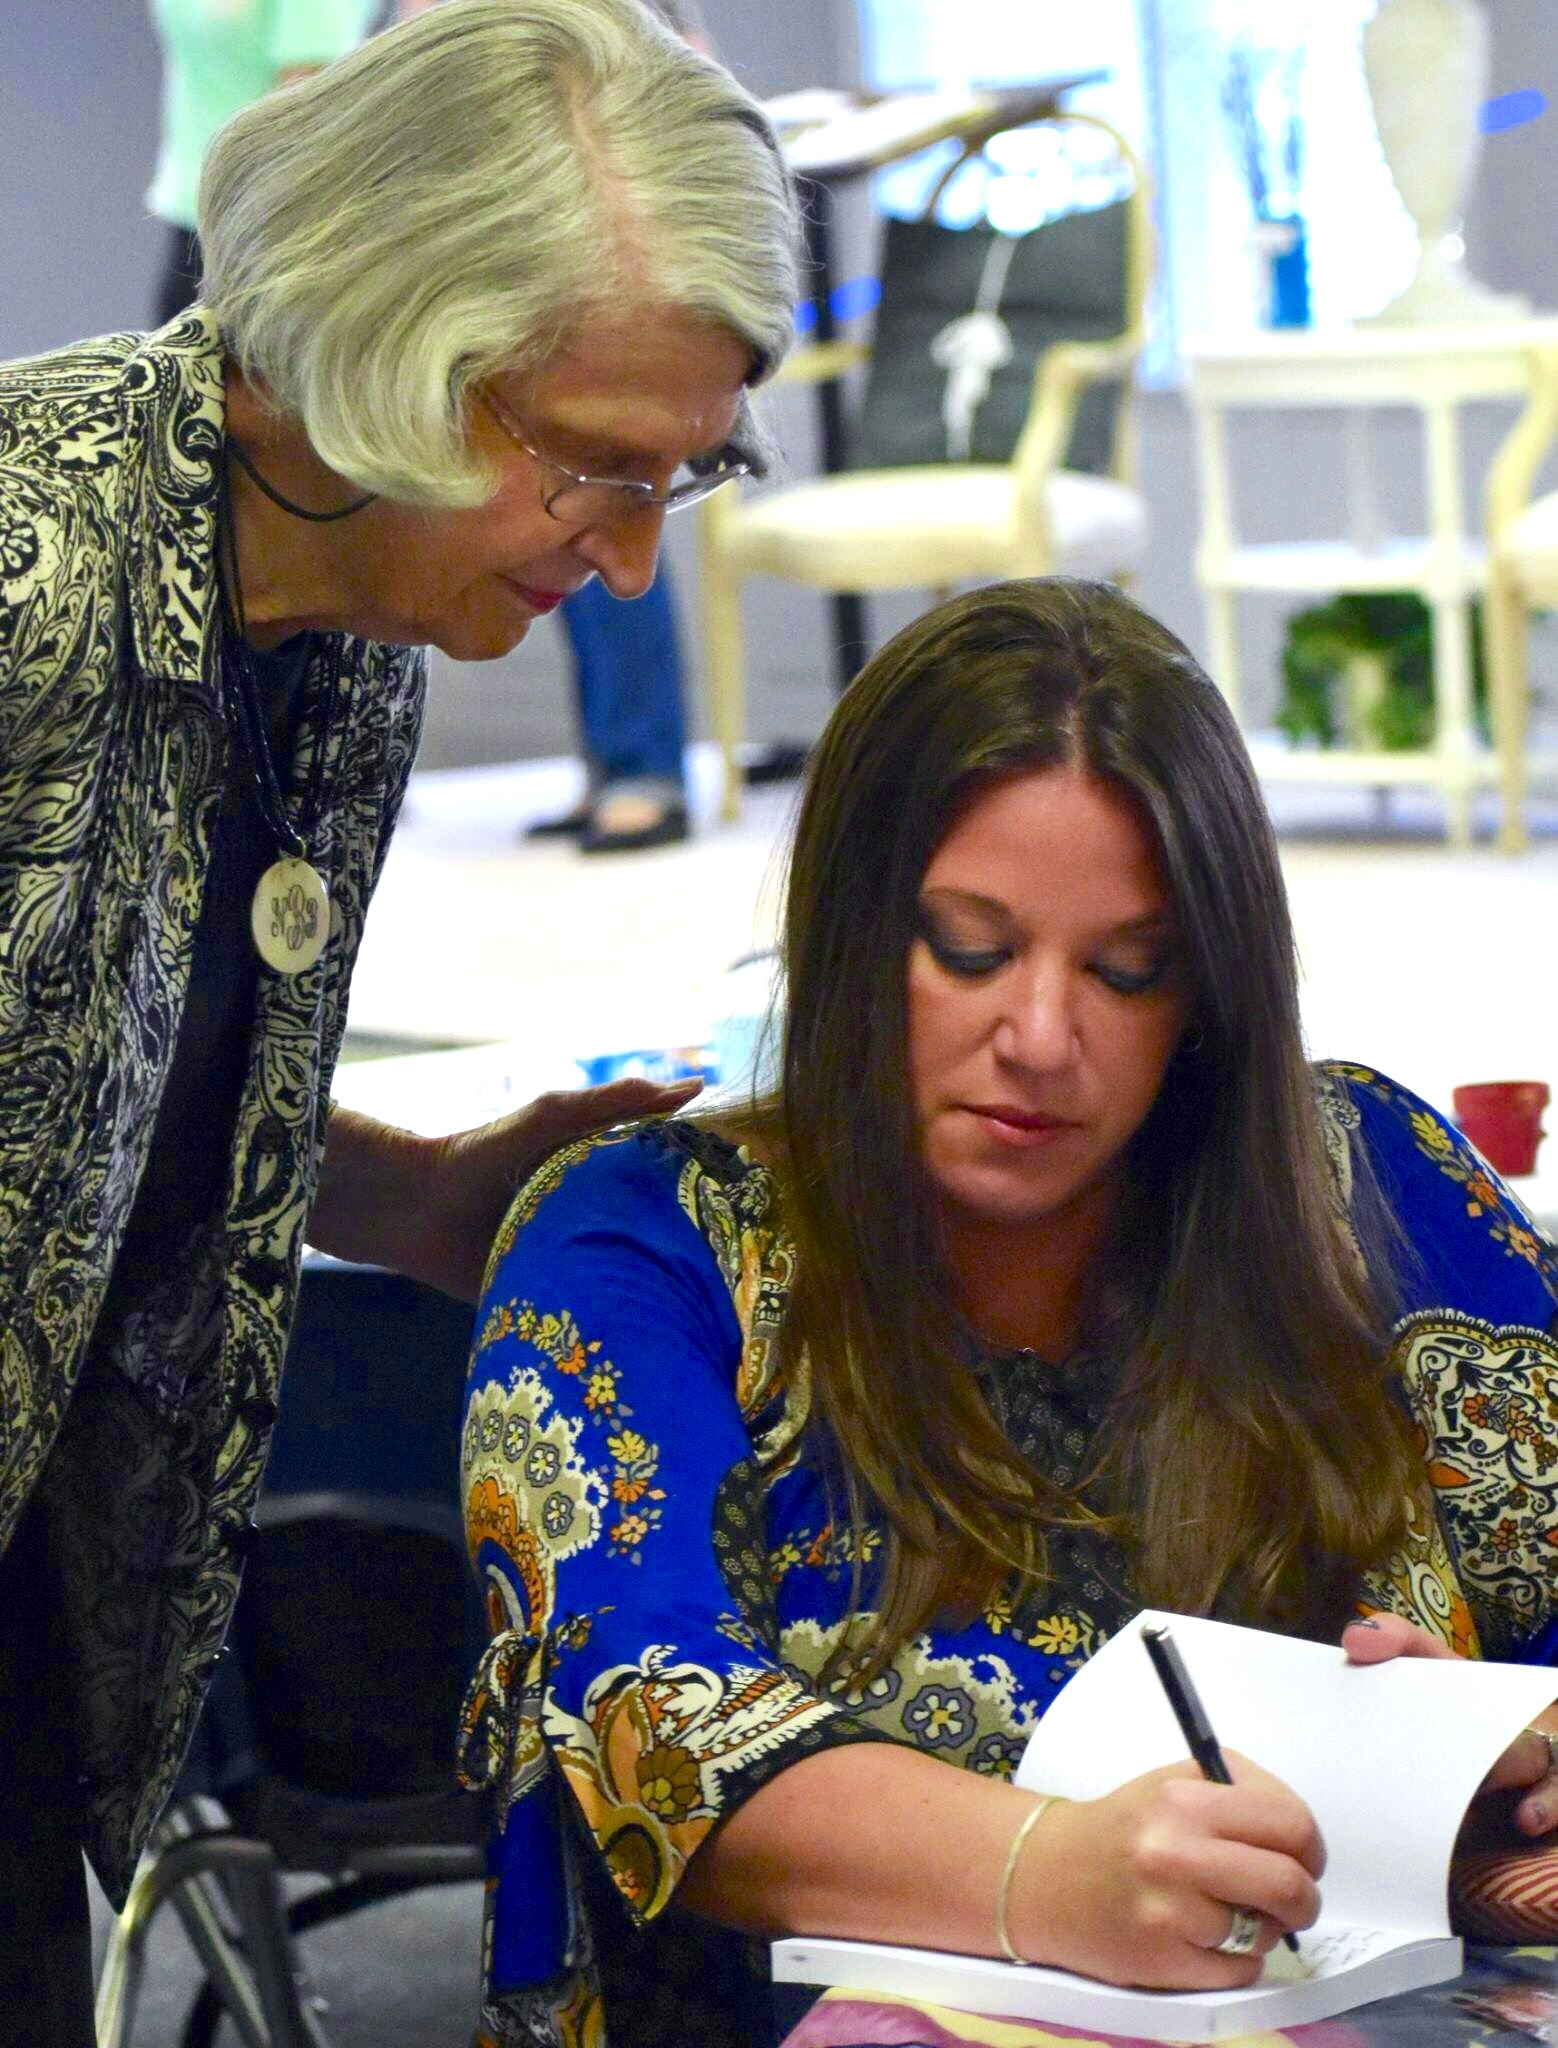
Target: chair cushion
907,529
1531,544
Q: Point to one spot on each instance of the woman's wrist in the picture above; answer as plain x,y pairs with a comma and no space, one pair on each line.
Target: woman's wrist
375,1192
1014,1857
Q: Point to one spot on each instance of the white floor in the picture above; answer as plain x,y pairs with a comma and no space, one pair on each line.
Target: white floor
1437,966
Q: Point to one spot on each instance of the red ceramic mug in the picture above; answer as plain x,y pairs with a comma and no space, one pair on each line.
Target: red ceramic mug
1503,1119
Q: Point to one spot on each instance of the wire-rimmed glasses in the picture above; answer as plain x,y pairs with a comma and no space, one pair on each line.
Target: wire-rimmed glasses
596,500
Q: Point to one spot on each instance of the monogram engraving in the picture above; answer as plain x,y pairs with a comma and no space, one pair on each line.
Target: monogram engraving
294,917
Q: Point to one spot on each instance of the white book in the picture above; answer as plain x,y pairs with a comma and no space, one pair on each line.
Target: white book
1386,1756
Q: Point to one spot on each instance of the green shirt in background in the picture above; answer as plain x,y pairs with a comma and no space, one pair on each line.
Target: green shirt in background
218,55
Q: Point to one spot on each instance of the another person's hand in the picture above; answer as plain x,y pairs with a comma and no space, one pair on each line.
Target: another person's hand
430,1207
477,1173
1522,1786
1141,1886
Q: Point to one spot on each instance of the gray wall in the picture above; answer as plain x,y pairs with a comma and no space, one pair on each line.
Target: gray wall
78,94
78,132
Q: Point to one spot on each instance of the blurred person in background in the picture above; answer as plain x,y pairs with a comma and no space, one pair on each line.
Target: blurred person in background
482,303
217,56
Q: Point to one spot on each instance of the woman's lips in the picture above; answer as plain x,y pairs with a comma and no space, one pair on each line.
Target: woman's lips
1019,1127
541,601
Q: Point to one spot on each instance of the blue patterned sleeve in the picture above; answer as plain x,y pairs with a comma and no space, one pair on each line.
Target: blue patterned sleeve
1472,1247
632,1694
1474,1355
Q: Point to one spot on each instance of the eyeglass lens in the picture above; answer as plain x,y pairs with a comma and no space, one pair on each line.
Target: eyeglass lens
592,499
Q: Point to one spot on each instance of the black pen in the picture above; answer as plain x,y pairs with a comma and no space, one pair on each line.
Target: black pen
1191,1715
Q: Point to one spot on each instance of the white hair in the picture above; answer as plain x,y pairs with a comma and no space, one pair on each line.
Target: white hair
464,194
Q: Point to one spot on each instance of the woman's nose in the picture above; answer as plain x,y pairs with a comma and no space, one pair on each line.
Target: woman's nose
1039,1027
623,552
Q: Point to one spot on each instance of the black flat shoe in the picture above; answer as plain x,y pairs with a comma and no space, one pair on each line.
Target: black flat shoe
667,828
568,826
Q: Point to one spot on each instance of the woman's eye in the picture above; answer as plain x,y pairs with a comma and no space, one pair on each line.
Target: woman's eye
967,961
1128,981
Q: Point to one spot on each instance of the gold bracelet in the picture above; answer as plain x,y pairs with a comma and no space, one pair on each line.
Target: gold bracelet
1003,1894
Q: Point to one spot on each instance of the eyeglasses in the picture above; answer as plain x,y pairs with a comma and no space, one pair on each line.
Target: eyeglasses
597,500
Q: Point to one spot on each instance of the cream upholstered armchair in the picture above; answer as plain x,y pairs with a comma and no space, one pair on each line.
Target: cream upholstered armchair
1522,573
933,525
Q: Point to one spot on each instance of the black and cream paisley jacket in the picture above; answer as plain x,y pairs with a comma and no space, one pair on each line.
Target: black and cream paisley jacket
113,750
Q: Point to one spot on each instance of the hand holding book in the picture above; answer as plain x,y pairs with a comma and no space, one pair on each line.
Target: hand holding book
1519,1796
1504,1873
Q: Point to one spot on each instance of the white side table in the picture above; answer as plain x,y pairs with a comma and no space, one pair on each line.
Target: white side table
1437,370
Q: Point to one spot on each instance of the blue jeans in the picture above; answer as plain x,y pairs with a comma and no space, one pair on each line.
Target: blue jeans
628,671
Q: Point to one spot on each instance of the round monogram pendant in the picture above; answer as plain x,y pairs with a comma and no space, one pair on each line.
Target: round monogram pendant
290,916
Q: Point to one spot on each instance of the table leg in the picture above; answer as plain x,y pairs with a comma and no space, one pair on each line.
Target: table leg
1506,627
1453,714
1454,719
1222,623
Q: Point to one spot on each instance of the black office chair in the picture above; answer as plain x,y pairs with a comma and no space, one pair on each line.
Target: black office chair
328,1740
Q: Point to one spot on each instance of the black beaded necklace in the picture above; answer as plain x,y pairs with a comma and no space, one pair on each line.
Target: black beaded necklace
290,914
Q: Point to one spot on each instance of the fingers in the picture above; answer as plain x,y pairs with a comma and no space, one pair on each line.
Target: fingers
1529,1761
1277,1887
567,1110
1267,1812
1383,1636
1254,1845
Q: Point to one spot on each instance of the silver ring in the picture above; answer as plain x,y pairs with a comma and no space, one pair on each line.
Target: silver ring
1243,1932
1550,1737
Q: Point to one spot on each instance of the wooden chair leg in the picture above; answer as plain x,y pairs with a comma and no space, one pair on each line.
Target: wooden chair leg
723,660
1506,636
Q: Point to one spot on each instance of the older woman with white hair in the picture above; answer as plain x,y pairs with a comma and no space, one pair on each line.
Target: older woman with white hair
483,302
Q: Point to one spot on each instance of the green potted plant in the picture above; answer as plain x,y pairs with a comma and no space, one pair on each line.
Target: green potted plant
1358,672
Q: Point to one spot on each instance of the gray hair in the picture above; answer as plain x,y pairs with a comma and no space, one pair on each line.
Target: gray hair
463,195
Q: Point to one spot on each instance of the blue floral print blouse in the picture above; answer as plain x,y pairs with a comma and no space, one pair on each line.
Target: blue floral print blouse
665,1585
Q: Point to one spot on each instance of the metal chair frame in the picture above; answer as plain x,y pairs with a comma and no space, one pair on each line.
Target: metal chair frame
226,1886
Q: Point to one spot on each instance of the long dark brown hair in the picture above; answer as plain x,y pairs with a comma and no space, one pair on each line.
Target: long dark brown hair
1255,1461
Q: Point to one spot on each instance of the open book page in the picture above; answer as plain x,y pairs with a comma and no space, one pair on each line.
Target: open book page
1329,1949
1387,1756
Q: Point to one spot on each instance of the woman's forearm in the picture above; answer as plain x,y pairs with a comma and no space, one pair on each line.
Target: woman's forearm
878,1842
373,1198
872,1842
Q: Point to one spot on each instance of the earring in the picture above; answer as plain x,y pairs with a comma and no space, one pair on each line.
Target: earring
1192,1042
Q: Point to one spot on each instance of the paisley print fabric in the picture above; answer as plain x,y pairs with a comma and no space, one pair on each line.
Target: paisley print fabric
1485,1402
113,750
668,1583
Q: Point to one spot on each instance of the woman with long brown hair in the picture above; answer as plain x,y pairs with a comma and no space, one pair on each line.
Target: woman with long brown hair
810,1446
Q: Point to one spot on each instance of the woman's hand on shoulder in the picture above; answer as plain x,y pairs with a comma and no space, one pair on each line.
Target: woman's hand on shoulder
1522,1787
478,1173
1140,1887
431,1207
